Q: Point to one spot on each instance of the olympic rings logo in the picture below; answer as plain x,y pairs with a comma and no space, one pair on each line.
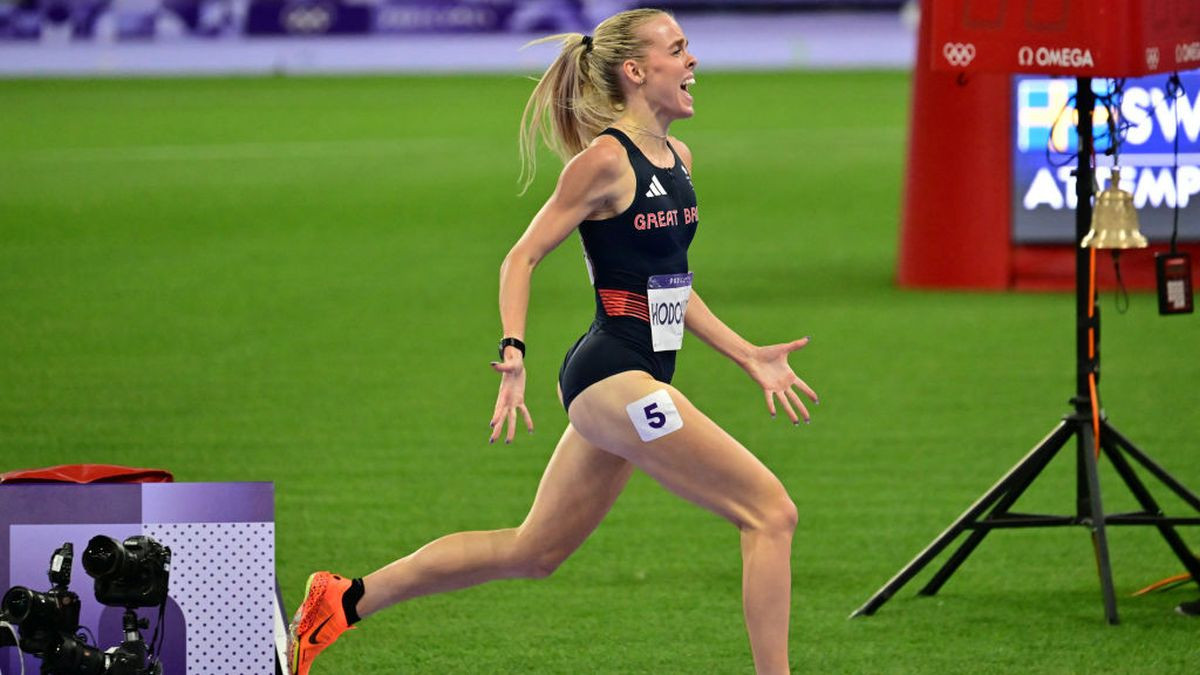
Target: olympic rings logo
958,54
306,17
1152,58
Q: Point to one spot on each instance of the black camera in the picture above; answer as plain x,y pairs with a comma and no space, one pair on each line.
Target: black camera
70,655
43,617
132,573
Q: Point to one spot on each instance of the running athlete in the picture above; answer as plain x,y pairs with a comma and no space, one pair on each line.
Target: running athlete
605,105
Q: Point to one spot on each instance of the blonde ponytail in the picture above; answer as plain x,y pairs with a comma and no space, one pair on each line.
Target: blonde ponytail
580,93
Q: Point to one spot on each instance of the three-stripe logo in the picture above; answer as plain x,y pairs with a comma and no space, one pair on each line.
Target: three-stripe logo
656,188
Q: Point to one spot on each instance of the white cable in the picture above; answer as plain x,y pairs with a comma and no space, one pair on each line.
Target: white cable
17,639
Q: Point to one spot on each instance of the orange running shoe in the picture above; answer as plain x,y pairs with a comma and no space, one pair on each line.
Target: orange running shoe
318,622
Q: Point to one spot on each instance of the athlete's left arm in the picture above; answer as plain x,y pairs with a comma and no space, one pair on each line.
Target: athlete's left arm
768,366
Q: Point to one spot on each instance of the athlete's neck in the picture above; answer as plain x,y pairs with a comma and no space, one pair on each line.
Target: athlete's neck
649,134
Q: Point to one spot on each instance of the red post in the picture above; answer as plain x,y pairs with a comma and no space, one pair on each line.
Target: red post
955,228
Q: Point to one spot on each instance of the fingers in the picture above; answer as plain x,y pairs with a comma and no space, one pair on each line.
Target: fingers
497,415
808,391
512,424
795,399
787,407
506,366
506,414
495,424
798,344
528,418
791,403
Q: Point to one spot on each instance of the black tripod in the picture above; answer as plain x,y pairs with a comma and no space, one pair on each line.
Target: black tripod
991,511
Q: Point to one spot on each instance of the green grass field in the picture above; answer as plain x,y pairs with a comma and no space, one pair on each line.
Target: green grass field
294,280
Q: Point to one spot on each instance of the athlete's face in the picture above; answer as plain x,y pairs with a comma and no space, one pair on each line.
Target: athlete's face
667,68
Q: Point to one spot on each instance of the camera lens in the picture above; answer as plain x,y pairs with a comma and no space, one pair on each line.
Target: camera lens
71,656
102,556
17,604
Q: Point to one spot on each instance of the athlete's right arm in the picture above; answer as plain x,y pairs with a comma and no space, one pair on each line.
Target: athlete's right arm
588,185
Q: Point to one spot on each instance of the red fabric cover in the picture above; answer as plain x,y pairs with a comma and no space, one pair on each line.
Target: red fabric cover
88,473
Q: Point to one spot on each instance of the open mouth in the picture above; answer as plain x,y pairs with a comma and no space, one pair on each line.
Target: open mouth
687,84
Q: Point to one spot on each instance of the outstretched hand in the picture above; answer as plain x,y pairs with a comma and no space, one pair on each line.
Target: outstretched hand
768,366
511,397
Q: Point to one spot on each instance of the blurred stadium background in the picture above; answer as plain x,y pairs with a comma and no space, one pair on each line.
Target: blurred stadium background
80,37
272,255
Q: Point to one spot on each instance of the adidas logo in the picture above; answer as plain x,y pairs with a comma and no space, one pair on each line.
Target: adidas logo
656,188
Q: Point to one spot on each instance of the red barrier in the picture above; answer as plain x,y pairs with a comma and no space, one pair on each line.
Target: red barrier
87,473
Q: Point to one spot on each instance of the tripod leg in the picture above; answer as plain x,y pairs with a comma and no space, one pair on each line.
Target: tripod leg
1050,446
1111,450
949,534
1096,516
1161,474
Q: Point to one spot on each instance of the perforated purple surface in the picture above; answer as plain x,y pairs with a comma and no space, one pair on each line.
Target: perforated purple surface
223,578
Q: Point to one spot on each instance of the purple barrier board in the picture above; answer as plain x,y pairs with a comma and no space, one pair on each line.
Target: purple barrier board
222,606
111,21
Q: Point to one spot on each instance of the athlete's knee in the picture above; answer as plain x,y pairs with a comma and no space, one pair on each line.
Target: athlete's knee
539,563
786,515
777,517
537,559
544,564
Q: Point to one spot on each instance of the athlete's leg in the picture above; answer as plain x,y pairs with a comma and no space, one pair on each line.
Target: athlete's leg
704,464
580,484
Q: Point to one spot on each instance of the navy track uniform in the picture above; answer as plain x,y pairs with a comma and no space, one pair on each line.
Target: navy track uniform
649,239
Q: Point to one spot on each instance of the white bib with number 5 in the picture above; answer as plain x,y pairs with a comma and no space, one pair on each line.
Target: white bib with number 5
668,295
654,416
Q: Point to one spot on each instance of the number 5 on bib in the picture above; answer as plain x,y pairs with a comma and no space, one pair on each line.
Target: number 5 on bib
654,416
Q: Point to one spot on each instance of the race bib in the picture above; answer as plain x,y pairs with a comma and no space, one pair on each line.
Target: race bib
654,416
667,296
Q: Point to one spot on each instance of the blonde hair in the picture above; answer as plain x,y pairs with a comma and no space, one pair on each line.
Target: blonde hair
580,93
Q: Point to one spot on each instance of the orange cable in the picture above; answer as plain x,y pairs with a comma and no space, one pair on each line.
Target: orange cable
1092,351
1178,578
1095,412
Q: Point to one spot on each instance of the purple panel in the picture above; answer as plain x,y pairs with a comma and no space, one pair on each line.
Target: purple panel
223,538
31,546
33,504
28,503
208,502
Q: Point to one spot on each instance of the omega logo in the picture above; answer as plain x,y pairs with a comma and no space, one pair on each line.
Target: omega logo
1187,52
1055,56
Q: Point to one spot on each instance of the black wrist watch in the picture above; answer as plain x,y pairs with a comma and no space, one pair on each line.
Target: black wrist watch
512,342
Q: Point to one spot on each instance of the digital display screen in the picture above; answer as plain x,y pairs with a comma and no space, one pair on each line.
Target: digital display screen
1045,144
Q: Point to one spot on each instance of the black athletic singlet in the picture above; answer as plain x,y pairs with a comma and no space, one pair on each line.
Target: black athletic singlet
651,237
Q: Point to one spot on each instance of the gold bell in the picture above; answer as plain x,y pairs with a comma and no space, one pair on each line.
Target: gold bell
1114,220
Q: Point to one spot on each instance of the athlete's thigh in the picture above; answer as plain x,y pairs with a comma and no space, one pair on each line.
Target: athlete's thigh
577,489
699,460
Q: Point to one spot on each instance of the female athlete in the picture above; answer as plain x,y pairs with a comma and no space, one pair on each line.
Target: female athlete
605,105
